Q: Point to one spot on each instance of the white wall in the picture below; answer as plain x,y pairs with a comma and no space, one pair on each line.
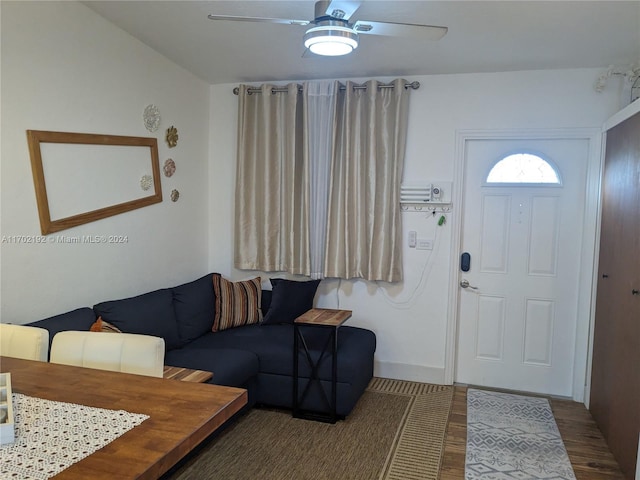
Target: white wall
410,319
64,68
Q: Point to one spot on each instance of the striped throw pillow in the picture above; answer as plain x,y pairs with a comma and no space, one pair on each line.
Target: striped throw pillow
102,326
237,303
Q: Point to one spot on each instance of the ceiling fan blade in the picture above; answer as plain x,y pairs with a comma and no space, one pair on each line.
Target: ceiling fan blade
424,32
341,9
258,19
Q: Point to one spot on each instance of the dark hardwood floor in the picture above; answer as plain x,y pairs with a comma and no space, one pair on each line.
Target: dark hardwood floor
588,452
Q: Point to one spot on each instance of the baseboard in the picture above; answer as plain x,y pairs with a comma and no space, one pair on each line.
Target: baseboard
412,373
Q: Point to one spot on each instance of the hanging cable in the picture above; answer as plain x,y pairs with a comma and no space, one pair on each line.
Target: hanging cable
424,276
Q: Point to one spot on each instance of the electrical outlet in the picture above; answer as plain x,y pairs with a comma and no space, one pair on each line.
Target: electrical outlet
424,244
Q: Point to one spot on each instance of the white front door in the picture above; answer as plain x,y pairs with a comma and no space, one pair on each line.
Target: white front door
517,316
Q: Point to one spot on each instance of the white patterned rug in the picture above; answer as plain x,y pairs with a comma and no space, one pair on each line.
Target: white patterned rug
513,437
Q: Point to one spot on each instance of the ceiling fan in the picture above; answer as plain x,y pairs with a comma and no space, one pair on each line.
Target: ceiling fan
332,33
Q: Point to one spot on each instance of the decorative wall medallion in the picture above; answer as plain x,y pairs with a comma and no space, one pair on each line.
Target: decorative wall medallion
151,117
172,136
169,167
146,181
175,195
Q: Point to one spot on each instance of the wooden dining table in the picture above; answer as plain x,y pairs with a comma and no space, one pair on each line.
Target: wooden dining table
181,414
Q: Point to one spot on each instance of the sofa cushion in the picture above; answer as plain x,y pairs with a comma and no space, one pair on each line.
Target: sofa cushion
194,306
230,367
289,300
78,319
265,301
274,347
236,303
149,314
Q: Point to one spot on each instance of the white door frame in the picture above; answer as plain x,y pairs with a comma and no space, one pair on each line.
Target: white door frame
588,256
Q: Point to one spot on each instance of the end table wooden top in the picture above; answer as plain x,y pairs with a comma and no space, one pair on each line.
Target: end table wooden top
186,374
324,316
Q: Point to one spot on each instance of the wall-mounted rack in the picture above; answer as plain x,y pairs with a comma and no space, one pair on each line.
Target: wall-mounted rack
426,208
426,197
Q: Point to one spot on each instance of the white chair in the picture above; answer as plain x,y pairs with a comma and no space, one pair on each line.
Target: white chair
119,352
21,341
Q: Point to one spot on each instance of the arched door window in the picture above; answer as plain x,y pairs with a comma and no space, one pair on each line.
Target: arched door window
524,168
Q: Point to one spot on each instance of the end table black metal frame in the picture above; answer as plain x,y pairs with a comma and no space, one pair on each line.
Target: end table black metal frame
330,416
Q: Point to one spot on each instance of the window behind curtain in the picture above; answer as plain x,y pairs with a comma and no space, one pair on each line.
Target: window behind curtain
318,180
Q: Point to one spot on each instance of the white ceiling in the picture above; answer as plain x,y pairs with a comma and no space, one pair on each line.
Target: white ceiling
484,36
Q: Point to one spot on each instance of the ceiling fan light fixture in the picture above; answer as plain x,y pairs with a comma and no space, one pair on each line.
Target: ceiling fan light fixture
331,40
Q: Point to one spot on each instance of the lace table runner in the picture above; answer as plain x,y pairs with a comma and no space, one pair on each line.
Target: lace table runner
51,436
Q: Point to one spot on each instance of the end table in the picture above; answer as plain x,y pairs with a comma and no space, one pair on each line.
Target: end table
328,319
186,374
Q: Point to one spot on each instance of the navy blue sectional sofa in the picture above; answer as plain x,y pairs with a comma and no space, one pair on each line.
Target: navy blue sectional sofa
256,357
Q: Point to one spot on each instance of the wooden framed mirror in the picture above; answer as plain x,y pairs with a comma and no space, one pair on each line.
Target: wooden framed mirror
83,177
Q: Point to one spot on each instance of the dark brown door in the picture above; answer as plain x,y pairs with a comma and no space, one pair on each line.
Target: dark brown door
615,378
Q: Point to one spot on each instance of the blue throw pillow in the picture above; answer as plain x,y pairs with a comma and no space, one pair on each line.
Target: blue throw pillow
194,304
148,314
289,300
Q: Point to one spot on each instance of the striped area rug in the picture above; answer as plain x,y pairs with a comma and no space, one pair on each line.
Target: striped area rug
396,432
416,453
513,437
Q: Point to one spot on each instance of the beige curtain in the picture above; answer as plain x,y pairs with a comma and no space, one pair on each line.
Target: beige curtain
364,230
349,142
272,183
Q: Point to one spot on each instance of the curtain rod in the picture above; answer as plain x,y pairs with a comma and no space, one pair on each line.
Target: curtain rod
252,90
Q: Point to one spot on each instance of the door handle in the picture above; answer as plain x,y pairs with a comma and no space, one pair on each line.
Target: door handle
465,284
